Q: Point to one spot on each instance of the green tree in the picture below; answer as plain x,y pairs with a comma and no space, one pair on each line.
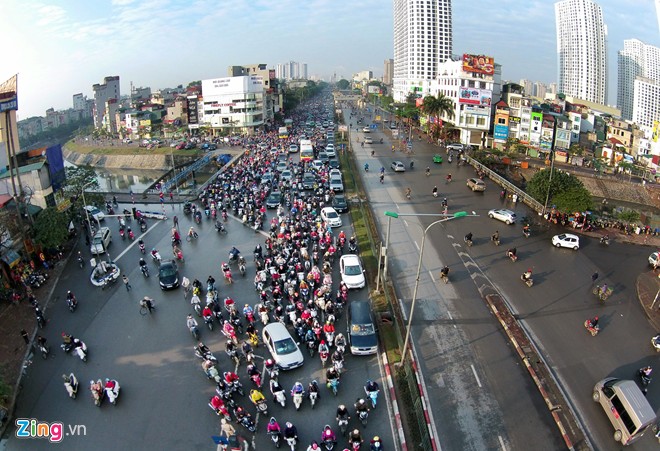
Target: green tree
573,199
78,178
628,216
51,228
438,106
540,185
343,84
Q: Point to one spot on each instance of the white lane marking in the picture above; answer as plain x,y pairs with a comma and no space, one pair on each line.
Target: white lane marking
416,245
128,248
431,276
474,371
452,319
502,445
403,310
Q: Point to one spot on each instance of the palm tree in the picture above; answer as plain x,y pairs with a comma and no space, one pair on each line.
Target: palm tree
437,107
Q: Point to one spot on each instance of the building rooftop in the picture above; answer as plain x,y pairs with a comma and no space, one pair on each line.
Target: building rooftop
25,169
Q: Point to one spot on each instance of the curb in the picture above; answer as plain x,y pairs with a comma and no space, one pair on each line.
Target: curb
646,296
538,380
55,281
422,395
395,405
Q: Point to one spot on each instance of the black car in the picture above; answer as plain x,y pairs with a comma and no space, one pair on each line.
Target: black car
333,163
339,203
168,275
274,199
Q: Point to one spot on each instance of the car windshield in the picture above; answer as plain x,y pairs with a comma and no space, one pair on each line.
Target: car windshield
362,329
353,270
167,271
331,214
97,240
284,347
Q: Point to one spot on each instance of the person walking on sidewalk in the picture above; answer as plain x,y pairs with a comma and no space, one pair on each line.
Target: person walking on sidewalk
25,336
124,278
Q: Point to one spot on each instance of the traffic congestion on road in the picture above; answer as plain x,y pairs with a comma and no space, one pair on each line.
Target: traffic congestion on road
268,355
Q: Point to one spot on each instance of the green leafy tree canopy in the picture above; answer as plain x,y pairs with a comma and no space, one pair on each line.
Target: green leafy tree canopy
566,191
51,228
343,84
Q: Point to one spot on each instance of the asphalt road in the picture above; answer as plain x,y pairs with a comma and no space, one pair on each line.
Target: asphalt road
480,396
164,393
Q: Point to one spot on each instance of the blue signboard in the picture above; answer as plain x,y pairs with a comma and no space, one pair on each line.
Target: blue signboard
501,132
373,126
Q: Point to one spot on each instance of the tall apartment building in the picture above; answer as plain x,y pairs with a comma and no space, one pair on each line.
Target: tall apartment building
291,71
646,106
108,90
528,86
79,101
388,72
581,50
635,60
422,40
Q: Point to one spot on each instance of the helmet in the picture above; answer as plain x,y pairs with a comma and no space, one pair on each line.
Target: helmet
272,420
189,316
153,249
342,407
356,432
289,425
596,318
368,381
239,409
223,421
376,439
68,292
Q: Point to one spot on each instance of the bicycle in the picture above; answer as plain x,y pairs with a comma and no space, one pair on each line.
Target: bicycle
144,309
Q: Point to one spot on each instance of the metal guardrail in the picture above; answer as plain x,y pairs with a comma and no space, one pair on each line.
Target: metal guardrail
183,175
510,187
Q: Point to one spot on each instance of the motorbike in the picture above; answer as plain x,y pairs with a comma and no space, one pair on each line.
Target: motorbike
236,386
333,384
313,396
81,262
324,357
122,234
655,342
468,242
280,398
527,233
276,437
207,356
342,422
145,270
142,248
311,347
256,379
209,321
220,228
356,445
212,373
247,422
45,351
297,400
97,394
71,385
329,444
220,409
512,256
592,330
156,257
143,226
496,241
528,280
363,415
194,331
603,292
373,397
72,304
262,407
291,441
645,380
605,241
112,390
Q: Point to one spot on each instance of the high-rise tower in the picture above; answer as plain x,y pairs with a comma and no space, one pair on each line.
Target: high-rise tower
581,50
635,60
422,40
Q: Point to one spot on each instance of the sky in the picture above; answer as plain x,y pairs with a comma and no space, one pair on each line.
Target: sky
60,48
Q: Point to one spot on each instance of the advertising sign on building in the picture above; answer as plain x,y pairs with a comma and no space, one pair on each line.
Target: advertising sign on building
193,116
373,89
501,132
473,96
535,128
228,85
479,64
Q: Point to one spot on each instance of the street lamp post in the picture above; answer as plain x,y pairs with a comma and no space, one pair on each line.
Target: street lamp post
459,214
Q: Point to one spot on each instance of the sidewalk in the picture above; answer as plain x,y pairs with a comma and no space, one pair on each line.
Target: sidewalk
648,287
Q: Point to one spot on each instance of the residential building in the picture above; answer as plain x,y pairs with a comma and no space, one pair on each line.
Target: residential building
109,89
110,116
272,92
37,177
539,90
79,101
501,124
581,50
140,93
232,104
292,70
471,83
422,41
528,86
646,102
364,75
177,112
388,72
552,88
635,60
512,95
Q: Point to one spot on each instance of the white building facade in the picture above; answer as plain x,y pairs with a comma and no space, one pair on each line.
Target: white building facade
422,40
108,90
472,94
635,60
233,104
581,50
646,103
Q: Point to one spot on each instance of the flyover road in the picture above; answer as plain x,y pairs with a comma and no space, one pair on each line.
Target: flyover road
480,396
164,394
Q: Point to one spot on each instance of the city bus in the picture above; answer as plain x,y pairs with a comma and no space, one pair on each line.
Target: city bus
306,150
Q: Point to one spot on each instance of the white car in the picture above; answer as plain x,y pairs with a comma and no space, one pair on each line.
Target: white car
281,166
95,213
286,175
506,216
293,148
351,271
282,346
334,173
368,140
566,240
336,184
366,130
330,150
397,166
317,164
330,215
653,258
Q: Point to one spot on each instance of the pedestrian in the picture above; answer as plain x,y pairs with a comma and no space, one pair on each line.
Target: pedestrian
25,336
176,222
86,239
171,196
124,278
594,276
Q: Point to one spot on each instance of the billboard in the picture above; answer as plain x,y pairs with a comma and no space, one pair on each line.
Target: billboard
501,132
535,128
372,89
8,98
231,85
478,64
193,116
474,96
656,131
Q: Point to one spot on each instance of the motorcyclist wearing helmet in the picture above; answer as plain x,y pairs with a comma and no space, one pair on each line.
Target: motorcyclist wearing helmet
256,396
376,443
190,322
290,431
361,406
331,374
313,387
313,446
202,349
328,434
273,427
371,386
297,389
355,436
342,413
